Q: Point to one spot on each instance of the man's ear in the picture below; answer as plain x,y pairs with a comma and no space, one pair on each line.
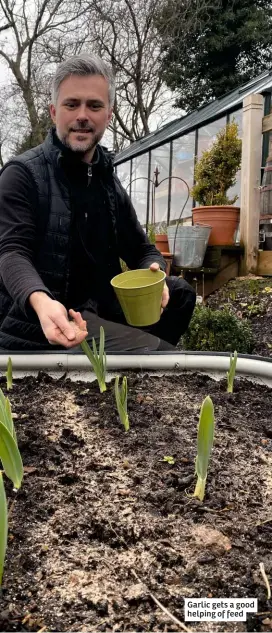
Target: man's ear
52,111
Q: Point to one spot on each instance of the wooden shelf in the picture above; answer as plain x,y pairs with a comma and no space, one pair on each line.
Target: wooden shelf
221,263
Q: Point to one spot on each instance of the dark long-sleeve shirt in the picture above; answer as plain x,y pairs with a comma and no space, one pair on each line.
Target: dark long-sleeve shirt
18,233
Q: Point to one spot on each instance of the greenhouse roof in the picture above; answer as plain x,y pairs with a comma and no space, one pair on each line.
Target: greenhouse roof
227,103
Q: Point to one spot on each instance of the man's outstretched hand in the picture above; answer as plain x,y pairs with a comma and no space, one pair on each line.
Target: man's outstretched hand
54,321
165,292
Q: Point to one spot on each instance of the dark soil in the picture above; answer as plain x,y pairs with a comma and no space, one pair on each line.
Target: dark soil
249,298
102,519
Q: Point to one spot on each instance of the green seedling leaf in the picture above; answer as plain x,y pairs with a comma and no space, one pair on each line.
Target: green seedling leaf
3,526
231,372
121,401
123,392
169,459
9,374
10,456
204,446
4,417
10,420
102,346
95,349
97,360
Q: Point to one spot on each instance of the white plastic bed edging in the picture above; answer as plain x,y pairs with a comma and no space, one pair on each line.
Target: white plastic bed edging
61,363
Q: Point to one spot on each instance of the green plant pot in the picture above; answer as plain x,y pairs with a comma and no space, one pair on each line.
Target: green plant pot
139,293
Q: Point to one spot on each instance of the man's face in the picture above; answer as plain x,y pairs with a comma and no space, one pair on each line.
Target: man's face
82,112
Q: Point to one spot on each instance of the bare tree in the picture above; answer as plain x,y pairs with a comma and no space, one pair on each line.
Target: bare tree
26,24
125,34
14,121
36,36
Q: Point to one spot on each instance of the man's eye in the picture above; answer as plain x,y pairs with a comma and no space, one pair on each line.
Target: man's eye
70,105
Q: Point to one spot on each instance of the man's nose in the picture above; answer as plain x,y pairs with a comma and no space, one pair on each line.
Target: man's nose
82,114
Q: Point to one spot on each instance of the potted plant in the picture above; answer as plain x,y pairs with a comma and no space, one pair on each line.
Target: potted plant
215,174
157,235
161,238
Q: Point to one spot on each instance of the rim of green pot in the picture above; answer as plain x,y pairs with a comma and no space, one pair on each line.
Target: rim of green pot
130,273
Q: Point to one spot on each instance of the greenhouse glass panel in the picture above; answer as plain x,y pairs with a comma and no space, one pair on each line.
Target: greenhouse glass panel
139,186
236,189
182,167
160,158
207,134
123,173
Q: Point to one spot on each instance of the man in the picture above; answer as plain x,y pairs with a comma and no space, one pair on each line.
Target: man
64,222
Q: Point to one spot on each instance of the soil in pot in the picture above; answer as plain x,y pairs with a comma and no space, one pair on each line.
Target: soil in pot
103,521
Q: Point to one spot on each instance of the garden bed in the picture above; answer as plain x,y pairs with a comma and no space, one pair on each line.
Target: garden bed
249,298
102,520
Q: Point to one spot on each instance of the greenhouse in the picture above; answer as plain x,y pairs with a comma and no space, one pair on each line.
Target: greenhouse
171,151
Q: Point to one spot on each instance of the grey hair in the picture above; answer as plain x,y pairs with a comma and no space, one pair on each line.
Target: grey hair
83,64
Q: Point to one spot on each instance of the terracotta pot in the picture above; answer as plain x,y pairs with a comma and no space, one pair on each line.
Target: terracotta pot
162,243
224,221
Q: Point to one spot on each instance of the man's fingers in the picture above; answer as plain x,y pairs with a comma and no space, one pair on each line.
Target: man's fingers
165,296
65,327
80,336
76,316
58,338
154,266
165,293
58,329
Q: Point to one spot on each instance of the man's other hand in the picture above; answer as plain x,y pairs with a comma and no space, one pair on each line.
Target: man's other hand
165,292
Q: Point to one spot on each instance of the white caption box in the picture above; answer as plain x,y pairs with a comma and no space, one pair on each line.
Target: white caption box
219,610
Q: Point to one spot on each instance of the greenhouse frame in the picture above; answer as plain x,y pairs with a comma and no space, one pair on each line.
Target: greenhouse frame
173,149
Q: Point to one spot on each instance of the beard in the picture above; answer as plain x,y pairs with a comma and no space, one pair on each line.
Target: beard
79,147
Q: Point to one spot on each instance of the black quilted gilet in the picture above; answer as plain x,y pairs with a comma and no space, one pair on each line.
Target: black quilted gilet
51,255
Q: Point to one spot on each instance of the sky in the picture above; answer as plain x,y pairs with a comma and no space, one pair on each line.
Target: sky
3,73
